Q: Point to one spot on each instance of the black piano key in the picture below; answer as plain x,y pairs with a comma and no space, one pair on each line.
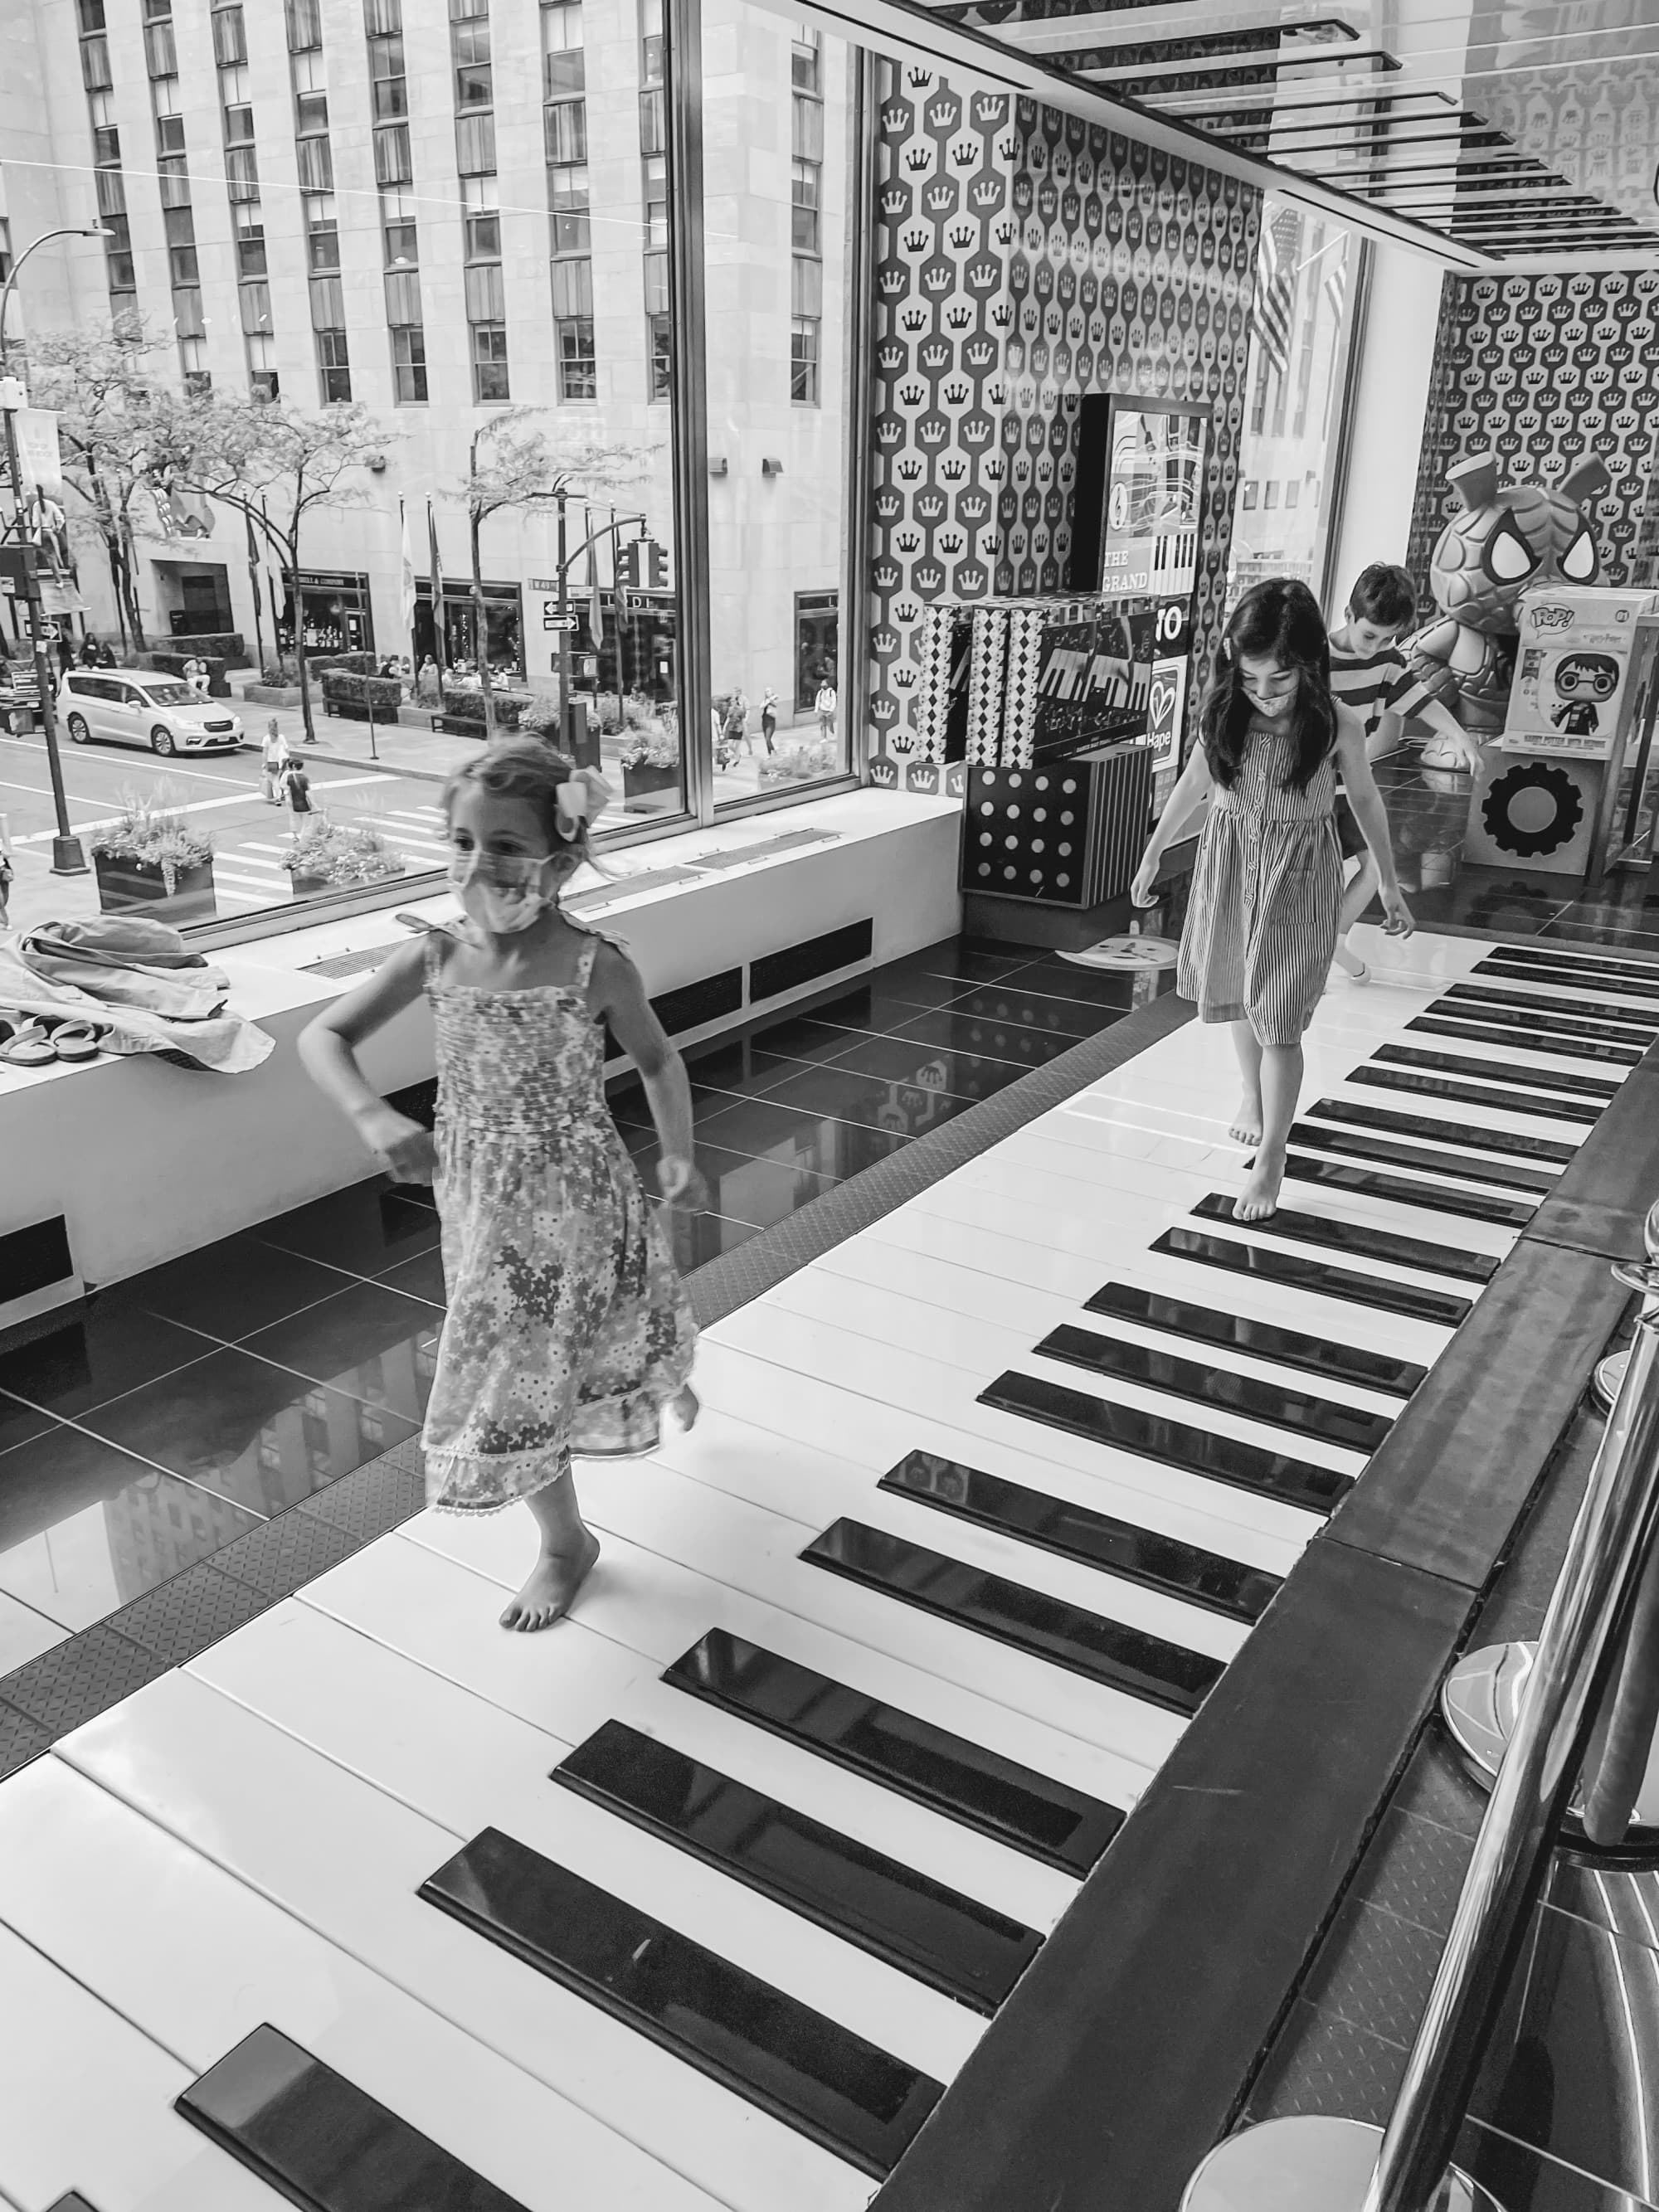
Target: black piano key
1247,1395
979,1787
950,1941
1151,1435
321,2142
1399,1190
1579,1047
1571,959
1262,1339
1077,1532
1485,1071
1433,1131
1577,976
1359,1240
1293,1271
1108,1652
1527,1010
1356,1144
768,2047
1471,1094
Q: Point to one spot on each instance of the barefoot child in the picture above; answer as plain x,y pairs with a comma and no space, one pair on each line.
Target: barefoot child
567,1329
1268,886
1368,673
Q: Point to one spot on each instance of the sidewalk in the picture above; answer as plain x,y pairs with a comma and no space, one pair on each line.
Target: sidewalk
422,751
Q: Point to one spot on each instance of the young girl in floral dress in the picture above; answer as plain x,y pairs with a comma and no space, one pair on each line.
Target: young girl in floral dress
568,1329
1266,890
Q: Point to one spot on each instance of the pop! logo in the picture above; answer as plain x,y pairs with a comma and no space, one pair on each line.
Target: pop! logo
1552,617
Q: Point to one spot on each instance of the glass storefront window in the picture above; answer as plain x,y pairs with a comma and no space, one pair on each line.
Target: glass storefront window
777,368
1307,272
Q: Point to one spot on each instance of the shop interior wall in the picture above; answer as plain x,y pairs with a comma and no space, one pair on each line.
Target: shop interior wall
1541,368
1024,257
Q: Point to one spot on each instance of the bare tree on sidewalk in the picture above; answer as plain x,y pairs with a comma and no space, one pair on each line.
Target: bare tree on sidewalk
101,385
512,464
275,465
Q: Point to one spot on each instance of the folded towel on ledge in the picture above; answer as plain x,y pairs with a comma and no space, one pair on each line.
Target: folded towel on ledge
136,980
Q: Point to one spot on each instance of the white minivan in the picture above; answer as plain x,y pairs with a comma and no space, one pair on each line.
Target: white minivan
137,707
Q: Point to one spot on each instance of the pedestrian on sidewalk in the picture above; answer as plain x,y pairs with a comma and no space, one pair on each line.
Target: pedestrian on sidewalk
824,708
65,654
273,758
296,790
770,718
429,685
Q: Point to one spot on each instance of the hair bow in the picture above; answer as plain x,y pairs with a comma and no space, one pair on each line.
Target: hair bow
581,801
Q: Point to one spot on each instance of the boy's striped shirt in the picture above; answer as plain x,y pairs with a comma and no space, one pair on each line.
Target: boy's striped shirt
1373,683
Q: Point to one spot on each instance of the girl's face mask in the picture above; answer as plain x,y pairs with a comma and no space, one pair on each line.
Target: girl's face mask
502,893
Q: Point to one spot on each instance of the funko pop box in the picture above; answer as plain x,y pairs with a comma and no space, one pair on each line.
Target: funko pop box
1577,661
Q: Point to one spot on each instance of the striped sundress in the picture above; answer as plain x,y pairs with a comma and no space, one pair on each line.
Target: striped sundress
1266,891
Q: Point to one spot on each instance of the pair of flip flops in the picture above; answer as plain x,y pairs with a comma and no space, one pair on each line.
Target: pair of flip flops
28,1042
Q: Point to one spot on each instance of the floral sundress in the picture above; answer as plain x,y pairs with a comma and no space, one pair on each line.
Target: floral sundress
569,1327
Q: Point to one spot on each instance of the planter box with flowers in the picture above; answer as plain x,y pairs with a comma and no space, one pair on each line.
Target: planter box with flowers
464,705
650,760
362,698
802,763
329,857
152,856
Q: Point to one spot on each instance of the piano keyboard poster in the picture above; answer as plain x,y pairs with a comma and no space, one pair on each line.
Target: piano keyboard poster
1154,498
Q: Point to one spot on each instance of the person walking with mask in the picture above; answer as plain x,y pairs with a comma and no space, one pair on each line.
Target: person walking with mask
568,1330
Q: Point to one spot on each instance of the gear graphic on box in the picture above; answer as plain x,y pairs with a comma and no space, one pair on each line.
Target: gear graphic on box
1553,784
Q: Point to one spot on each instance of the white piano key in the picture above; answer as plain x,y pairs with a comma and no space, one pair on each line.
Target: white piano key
1505,1047
728,1541
466,1765
86,2102
939,1400
282,1667
443,1615
984,1348
348,1861
195,1960
882,1254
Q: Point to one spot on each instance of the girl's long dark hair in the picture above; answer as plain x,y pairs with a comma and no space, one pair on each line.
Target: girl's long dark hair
1278,619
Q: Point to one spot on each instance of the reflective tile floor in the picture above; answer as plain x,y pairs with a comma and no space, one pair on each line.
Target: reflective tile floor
189,1405
1428,811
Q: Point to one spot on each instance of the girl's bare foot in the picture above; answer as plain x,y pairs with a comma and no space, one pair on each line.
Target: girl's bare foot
1259,1196
684,1408
1246,1126
1350,962
551,1589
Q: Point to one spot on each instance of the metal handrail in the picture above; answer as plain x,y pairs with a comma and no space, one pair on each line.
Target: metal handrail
1578,1650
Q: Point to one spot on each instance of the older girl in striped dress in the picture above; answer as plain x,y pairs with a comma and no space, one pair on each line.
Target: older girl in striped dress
1266,890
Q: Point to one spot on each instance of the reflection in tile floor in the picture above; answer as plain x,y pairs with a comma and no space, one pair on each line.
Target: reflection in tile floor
187,1405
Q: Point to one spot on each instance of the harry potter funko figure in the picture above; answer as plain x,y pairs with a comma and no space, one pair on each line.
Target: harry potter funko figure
1585,682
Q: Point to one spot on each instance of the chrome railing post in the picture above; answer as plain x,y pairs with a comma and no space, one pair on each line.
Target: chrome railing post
1323,2165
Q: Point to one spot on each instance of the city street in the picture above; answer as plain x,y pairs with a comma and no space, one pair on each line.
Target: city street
219,792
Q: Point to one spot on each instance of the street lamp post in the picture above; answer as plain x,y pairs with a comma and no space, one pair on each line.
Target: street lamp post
68,858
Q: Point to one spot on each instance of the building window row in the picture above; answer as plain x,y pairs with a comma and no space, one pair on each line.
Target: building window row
314,157
481,220
654,191
806,196
564,134
109,184
394,171
242,190
177,216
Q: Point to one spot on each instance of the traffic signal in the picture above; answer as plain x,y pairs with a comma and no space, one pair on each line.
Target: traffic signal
628,565
656,573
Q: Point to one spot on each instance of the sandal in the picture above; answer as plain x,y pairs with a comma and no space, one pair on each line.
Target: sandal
77,1040
26,1044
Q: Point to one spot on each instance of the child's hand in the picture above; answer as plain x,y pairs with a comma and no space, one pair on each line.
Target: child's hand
408,1150
680,1182
1398,915
1141,893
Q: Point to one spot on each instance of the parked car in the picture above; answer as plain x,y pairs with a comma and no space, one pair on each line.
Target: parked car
137,707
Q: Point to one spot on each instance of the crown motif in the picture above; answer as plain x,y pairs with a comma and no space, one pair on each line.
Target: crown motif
938,198
889,433
884,640
935,354
891,283
954,469
914,319
902,679
957,393
890,356
965,153
970,577
906,610
929,579
993,470
989,106
987,192
919,159
894,116
909,469
918,79
1002,233
936,279
931,433
1002,314
975,508
912,394
886,576
916,239
952,541
976,430
943,115
930,506
961,236
982,275
980,355
959,318
908,541
887,504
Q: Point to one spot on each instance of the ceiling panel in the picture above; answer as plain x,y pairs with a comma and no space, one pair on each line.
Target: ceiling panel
1527,128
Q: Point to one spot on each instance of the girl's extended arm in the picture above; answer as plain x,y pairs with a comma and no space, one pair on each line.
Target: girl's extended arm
328,1047
1371,815
1192,786
618,994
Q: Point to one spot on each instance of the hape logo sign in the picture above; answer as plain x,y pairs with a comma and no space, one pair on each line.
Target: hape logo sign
1552,617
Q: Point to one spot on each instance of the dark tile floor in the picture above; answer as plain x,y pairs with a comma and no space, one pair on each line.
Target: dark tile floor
173,1419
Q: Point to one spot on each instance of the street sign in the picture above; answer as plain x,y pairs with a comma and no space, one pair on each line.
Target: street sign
7,587
550,621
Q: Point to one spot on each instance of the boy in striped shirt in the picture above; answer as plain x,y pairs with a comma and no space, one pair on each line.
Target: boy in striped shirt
1368,673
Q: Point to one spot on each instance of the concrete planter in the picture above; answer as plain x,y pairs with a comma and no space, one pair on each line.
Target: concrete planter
124,883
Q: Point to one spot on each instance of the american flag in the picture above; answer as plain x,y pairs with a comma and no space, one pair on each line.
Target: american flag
1336,284
1275,286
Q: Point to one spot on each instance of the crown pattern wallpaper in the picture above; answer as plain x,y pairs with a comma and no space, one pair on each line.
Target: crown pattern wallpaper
1023,258
1541,368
